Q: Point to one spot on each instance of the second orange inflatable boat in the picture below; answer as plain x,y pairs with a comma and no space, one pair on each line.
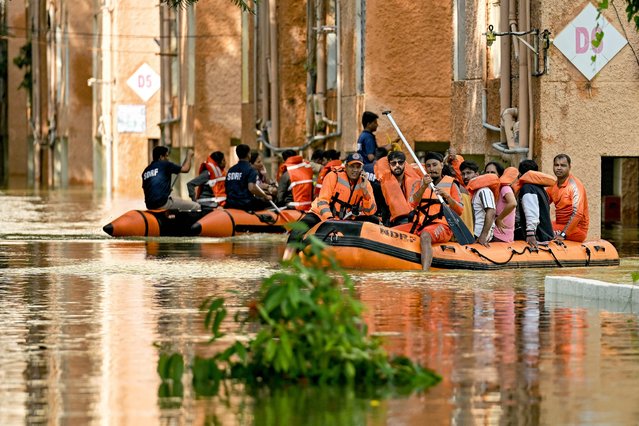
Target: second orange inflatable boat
229,222
363,245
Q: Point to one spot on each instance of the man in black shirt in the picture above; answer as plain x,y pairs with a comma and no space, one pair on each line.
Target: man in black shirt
242,191
156,181
535,225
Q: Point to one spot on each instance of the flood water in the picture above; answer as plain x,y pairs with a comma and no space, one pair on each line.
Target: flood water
83,314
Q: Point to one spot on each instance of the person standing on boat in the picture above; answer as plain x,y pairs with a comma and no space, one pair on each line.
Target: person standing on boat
156,182
535,225
345,192
571,203
295,188
242,191
483,200
210,183
429,222
506,203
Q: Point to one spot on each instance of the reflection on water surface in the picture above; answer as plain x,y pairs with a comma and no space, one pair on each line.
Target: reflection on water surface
81,313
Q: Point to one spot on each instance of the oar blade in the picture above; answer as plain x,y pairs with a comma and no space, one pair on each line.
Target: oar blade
461,232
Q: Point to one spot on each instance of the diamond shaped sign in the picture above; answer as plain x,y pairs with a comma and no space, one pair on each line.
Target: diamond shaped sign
575,42
145,82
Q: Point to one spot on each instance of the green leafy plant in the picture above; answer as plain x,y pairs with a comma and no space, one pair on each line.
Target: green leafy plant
23,61
309,331
635,277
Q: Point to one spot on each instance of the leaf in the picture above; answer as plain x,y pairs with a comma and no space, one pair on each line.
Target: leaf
219,317
635,277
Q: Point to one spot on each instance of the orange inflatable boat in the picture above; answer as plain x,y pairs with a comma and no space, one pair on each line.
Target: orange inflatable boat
153,223
364,245
229,222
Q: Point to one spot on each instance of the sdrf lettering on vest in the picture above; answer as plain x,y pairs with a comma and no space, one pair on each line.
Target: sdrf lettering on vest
234,176
150,173
397,235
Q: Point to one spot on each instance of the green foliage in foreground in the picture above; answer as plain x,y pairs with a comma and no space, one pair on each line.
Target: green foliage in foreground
309,331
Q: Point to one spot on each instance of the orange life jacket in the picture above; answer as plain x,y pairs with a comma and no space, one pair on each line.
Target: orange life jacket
509,177
217,177
301,174
571,208
487,180
397,195
429,208
322,174
339,196
534,177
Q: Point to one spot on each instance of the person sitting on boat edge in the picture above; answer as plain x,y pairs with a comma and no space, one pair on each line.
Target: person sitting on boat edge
452,161
397,183
429,222
156,181
534,225
209,185
482,189
571,204
295,187
332,160
241,184
263,181
345,192
504,230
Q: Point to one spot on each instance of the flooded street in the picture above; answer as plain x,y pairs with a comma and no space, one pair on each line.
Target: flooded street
83,315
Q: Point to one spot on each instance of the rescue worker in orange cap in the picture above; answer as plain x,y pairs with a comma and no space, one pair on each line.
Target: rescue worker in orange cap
345,192
571,204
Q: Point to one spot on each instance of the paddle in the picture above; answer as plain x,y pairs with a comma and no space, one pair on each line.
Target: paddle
277,209
461,232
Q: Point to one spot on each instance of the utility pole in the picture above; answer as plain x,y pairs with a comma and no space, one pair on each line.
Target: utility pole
37,25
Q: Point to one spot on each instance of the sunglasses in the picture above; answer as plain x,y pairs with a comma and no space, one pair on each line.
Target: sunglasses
397,162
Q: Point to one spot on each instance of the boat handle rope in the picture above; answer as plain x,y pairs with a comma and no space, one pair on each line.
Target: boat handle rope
549,250
588,253
445,247
513,252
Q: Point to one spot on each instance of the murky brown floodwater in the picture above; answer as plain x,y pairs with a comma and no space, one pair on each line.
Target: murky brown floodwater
81,312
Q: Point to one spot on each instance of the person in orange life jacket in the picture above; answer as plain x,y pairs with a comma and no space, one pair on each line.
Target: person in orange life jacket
331,158
156,181
397,184
263,181
483,201
571,203
452,161
430,223
345,192
369,169
241,184
295,188
505,209
534,210
210,183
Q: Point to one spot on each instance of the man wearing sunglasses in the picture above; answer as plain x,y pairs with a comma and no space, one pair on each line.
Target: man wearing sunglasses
398,183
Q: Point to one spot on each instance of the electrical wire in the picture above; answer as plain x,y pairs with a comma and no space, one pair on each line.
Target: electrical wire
623,28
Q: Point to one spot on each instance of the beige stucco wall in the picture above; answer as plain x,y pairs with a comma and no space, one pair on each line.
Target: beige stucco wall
408,67
588,120
139,21
18,125
218,60
76,119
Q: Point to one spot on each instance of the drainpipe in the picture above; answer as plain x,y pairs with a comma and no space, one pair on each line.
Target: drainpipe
262,46
106,89
531,110
504,84
311,50
274,132
524,109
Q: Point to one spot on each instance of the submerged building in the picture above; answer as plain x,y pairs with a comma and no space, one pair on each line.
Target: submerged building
499,80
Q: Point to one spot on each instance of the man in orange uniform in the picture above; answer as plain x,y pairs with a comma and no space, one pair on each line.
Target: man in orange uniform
345,192
571,204
331,158
430,223
295,188
397,183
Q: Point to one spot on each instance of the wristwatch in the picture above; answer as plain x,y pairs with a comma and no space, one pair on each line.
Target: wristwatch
562,234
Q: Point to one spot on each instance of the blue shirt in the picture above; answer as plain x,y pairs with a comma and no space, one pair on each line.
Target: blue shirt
370,169
366,144
237,180
156,182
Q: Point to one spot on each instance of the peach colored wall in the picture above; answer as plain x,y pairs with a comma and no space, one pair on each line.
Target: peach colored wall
137,23
76,120
408,67
18,124
218,55
588,120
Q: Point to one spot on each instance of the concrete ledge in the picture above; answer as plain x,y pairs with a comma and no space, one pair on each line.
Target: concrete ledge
581,292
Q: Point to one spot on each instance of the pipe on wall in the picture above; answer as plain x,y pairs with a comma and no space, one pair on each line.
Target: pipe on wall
524,109
274,133
504,66
531,110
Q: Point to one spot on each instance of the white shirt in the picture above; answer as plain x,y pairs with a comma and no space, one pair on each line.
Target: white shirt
483,199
